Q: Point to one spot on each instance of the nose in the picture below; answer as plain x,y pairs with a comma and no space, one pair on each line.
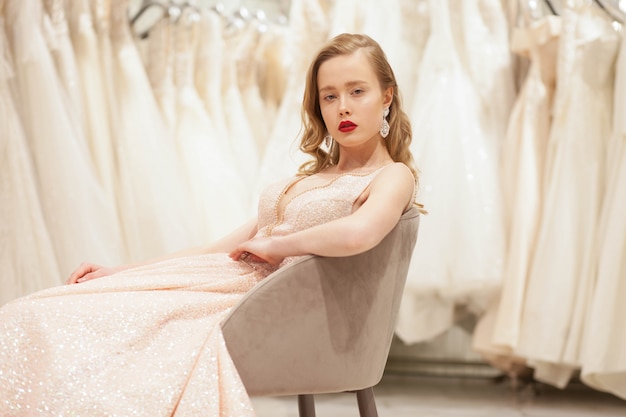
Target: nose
344,108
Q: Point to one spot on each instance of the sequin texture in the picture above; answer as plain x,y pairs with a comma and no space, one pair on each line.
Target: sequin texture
146,341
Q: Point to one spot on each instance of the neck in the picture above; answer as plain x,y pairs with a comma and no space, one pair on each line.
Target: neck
362,159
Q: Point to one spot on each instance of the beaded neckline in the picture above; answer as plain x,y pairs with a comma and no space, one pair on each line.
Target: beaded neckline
279,216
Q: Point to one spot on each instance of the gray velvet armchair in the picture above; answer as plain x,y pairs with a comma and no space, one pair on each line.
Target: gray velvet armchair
323,325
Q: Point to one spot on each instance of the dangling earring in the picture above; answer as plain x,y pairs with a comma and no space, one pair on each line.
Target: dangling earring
384,129
328,140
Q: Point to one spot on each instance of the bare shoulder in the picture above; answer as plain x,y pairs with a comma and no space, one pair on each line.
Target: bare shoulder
393,186
395,173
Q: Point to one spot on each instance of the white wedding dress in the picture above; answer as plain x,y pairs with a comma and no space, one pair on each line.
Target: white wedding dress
82,222
27,258
219,194
159,64
603,356
240,133
62,51
271,77
563,264
153,196
97,126
458,258
307,32
522,164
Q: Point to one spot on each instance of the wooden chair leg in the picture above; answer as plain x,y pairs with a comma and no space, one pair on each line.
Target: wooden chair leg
306,405
367,404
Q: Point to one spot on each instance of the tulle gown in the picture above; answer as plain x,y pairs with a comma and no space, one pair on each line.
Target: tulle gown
27,260
459,259
239,128
271,76
153,197
563,265
483,42
209,78
307,32
603,355
247,54
523,155
159,64
219,194
97,127
82,222
147,341
64,57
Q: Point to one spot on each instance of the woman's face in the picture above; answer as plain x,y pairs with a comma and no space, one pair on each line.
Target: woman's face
351,99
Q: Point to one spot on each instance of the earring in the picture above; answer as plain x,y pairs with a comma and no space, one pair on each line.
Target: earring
328,140
384,129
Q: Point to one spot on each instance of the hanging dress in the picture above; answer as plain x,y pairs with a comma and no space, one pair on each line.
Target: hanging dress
458,260
603,356
27,258
307,32
218,193
271,76
561,274
208,78
62,52
96,121
159,64
522,167
81,221
485,51
242,138
153,197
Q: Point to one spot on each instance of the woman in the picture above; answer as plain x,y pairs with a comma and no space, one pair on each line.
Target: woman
145,339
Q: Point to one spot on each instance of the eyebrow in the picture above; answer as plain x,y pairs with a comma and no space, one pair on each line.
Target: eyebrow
348,84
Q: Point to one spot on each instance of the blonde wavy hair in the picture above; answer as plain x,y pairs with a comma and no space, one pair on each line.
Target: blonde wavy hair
314,128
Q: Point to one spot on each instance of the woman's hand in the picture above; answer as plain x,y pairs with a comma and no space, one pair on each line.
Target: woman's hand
257,250
87,271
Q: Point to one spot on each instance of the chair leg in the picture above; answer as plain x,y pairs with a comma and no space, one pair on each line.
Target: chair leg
367,404
306,405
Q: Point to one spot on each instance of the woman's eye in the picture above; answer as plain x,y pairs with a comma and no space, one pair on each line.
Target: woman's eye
329,97
357,91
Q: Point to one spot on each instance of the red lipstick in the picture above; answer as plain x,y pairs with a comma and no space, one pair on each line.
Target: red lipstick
346,126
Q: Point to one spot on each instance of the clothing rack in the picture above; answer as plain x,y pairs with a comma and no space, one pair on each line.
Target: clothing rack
151,11
610,8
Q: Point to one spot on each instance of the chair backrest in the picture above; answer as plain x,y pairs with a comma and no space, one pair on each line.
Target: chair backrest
322,324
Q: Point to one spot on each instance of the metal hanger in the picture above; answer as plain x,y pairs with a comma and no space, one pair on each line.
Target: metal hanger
551,7
612,10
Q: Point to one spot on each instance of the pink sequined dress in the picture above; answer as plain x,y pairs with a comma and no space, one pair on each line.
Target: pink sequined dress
147,341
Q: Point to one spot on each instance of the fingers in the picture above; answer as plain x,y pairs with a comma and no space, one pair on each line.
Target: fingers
242,255
81,272
90,276
254,258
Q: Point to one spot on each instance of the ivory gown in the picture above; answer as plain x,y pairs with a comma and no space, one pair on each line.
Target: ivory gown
564,258
603,354
147,341
81,220
218,193
152,195
27,258
459,259
307,32
523,155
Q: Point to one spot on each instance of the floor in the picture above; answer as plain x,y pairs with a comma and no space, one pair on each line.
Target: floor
411,396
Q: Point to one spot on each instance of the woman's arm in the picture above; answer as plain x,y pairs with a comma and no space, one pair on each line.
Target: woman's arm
88,271
390,193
